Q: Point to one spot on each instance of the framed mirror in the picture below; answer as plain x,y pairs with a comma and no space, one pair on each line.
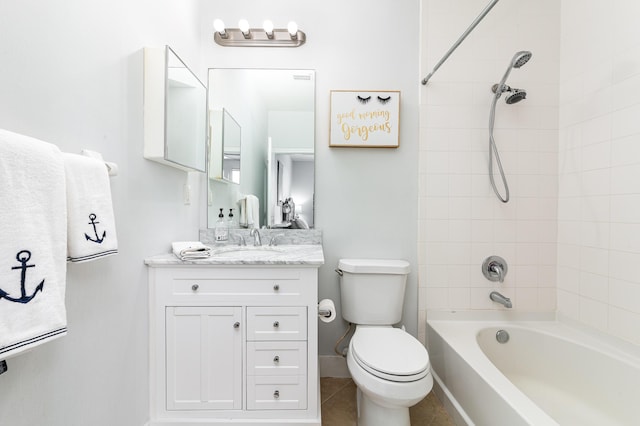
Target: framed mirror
274,111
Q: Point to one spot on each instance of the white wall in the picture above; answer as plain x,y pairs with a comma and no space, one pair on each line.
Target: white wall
366,199
71,74
461,220
599,195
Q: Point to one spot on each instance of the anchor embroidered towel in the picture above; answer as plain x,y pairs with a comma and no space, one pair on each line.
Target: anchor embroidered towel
91,229
33,230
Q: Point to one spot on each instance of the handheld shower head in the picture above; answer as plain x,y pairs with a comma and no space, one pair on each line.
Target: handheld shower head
520,58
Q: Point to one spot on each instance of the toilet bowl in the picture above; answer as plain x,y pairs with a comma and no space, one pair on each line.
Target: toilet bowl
392,372
389,366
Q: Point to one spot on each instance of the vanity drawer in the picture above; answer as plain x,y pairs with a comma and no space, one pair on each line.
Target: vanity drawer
276,358
277,323
276,392
230,288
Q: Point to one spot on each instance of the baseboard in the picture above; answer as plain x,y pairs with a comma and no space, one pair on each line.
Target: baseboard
333,366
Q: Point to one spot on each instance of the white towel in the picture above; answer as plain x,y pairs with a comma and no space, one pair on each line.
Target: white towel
253,211
242,208
91,224
33,230
186,250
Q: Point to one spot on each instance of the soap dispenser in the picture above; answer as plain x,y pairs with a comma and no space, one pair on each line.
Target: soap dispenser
232,223
221,230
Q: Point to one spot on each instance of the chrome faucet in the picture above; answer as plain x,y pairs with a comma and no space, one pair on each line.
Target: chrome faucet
273,241
241,241
257,241
494,268
497,297
497,269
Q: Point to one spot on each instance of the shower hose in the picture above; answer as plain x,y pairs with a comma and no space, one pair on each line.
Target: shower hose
493,151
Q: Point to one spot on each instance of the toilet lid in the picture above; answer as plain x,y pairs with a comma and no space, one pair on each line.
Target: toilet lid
390,353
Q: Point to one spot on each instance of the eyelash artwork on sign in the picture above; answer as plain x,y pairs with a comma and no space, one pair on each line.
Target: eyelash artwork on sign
365,118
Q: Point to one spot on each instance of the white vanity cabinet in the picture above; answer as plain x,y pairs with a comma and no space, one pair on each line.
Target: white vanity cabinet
233,344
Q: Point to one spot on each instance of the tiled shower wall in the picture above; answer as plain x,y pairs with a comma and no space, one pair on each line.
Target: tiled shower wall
599,166
461,221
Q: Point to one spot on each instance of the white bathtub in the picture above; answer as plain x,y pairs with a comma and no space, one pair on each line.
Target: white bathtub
548,373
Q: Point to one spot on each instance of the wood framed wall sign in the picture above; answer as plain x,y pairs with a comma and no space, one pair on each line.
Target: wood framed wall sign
365,119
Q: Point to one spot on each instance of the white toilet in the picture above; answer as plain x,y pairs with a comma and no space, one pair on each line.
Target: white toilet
390,367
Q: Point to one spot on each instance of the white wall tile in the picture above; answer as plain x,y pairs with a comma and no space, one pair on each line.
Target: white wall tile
455,188
624,294
624,324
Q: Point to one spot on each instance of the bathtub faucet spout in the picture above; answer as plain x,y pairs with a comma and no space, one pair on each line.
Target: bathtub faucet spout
497,297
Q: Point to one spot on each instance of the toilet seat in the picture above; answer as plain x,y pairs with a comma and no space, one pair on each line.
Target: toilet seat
390,353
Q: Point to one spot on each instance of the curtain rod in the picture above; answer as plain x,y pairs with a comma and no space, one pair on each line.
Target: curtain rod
460,40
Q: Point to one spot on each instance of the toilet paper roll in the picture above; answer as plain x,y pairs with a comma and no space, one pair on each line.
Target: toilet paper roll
327,305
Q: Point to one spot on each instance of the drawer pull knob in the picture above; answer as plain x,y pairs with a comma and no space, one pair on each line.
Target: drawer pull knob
276,394
276,359
276,287
195,287
276,324
236,325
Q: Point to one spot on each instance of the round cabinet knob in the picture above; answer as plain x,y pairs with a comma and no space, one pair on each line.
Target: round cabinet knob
276,394
276,324
276,359
195,287
236,325
276,287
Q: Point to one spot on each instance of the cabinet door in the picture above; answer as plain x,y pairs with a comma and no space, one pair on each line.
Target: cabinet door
204,358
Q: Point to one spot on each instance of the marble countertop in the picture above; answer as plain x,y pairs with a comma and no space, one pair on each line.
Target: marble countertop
292,254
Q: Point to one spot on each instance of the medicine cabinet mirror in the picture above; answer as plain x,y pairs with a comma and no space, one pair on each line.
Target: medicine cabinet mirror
226,137
271,113
175,123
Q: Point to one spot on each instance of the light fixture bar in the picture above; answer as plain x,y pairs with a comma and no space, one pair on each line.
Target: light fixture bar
258,38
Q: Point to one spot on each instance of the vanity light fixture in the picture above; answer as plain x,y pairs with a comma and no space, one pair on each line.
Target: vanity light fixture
267,36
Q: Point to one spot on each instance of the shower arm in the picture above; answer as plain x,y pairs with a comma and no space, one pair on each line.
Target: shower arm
461,39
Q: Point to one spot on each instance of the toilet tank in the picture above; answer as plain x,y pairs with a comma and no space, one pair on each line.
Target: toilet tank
372,290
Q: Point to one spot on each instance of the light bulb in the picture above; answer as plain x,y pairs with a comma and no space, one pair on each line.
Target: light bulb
268,28
243,24
292,27
218,26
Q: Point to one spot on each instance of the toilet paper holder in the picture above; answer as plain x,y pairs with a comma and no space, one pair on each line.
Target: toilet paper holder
326,310
324,313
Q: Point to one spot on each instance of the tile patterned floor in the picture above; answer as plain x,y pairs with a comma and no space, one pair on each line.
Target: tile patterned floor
339,406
